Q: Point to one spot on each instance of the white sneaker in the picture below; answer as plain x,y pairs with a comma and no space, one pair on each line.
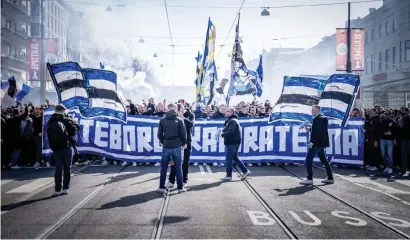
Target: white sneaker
161,190
147,163
104,162
215,164
204,164
226,178
115,162
222,164
245,175
250,165
86,162
36,165
390,171
47,164
134,164
386,170
186,185
373,169
306,182
65,192
259,164
181,190
124,163
328,181
15,167
169,185
56,194
195,164
267,164
157,164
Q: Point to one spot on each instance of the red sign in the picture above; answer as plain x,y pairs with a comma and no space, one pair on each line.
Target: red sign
356,49
33,60
341,49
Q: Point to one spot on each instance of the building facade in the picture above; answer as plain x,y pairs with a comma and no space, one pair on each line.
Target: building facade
15,26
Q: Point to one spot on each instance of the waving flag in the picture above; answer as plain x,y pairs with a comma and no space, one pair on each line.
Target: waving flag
339,95
243,81
198,66
14,89
93,91
102,65
206,69
70,84
102,93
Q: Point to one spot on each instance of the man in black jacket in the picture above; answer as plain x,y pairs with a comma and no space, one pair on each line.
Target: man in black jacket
388,139
232,139
189,121
60,132
372,135
172,136
14,126
404,123
319,140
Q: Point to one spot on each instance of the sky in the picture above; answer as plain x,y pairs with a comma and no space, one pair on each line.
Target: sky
303,27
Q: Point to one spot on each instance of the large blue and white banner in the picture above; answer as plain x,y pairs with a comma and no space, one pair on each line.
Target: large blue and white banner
135,140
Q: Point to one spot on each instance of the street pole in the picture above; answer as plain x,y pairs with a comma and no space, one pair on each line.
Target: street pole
42,56
349,42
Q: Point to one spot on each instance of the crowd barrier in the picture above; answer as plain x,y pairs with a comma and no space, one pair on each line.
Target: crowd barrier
281,141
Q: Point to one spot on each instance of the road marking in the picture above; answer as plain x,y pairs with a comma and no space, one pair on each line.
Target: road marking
366,181
201,168
5,181
209,169
32,186
404,182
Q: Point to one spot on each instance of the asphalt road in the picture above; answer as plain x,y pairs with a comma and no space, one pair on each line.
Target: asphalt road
120,202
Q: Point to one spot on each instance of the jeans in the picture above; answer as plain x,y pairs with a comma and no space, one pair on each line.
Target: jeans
167,153
405,153
387,152
232,156
185,165
62,159
15,157
312,152
39,148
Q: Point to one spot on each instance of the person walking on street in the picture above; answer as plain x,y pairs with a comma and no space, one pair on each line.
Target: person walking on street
232,140
172,136
319,140
189,121
60,132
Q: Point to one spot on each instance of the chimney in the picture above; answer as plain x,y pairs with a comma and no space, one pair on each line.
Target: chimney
372,10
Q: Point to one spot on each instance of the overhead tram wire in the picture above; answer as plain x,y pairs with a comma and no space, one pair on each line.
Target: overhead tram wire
172,40
233,24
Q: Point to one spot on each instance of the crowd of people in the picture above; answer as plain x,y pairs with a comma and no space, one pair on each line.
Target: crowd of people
387,133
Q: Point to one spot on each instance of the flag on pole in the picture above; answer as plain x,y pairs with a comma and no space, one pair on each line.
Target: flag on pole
14,89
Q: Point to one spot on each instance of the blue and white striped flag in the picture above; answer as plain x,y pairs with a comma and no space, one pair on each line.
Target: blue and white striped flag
70,84
14,89
101,86
299,94
339,95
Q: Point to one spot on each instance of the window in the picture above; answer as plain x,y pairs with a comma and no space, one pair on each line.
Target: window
394,54
13,27
380,61
400,51
13,52
387,28
407,51
372,35
366,40
394,25
371,63
387,59
8,24
380,31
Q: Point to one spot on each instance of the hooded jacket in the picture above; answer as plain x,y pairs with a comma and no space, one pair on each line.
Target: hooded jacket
232,131
172,131
71,125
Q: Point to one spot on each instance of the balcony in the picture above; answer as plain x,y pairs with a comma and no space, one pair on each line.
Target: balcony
15,10
17,38
18,63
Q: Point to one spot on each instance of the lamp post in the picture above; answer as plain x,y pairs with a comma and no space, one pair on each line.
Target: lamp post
43,56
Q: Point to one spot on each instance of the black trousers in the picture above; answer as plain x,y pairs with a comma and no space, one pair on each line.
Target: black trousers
185,165
373,154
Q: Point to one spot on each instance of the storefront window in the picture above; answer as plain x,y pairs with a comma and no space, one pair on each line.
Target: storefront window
407,50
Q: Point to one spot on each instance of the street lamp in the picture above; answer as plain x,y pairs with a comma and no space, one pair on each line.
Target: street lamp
155,55
108,9
141,40
265,12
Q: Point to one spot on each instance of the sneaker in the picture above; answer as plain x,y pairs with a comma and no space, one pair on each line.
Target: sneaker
56,194
306,182
169,185
390,171
204,164
65,192
48,164
86,162
157,164
134,164
215,164
115,162
267,164
15,167
226,178
328,181
36,165
104,162
124,163
222,164
259,164
250,164
386,170
186,185
372,169
182,190
245,175
147,163
195,164
161,190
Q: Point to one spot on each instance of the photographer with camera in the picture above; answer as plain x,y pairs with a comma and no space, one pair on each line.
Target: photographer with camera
61,131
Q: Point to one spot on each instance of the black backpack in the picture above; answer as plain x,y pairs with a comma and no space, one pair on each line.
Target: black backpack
57,134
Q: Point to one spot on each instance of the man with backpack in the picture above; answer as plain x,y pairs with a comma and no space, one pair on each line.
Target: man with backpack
60,132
